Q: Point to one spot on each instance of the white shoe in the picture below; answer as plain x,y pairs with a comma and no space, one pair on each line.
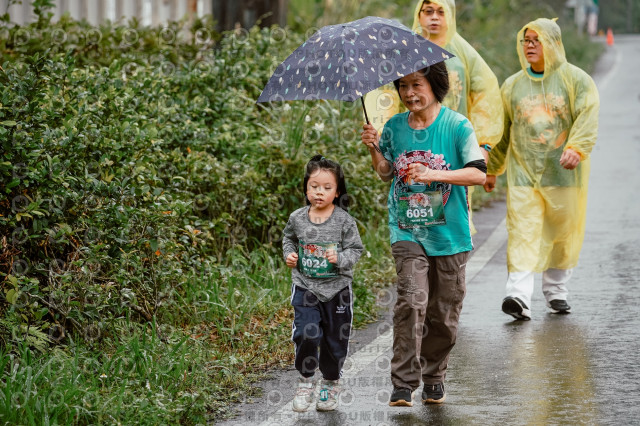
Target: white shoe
304,394
329,395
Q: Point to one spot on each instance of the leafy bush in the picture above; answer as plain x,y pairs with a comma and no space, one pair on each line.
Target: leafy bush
142,182
128,177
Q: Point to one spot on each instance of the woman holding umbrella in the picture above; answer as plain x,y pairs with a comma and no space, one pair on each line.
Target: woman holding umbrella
474,91
431,153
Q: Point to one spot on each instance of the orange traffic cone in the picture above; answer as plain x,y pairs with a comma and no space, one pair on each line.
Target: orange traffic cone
609,37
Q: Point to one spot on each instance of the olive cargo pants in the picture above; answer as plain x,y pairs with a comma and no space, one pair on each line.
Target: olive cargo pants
425,316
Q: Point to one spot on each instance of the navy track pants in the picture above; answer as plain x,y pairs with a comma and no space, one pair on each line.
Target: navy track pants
321,332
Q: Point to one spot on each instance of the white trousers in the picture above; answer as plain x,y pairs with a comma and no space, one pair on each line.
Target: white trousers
554,285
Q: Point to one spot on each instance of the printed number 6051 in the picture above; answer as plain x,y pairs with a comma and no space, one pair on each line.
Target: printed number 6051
418,213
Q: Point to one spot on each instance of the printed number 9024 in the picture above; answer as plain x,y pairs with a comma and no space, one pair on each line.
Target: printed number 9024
314,263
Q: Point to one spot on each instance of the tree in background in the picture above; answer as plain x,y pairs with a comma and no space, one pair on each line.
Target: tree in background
622,16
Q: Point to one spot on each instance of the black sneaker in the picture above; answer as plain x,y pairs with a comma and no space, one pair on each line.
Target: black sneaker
516,308
559,307
433,394
401,397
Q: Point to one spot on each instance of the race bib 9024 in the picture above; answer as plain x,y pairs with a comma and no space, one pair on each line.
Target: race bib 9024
313,262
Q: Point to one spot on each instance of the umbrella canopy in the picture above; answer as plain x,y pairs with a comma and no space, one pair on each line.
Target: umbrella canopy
345,61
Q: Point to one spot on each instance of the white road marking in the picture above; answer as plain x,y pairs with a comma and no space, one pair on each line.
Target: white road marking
602,83
486,251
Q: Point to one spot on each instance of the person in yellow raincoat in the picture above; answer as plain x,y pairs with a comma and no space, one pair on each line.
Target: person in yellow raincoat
551,124
474,91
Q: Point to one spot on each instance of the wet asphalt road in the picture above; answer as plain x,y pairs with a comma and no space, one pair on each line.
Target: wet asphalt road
582,368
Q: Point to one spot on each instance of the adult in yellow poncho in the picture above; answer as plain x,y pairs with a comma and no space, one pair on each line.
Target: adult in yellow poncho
473,88
551,124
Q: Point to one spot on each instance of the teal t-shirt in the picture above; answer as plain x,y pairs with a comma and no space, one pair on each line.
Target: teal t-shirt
447,144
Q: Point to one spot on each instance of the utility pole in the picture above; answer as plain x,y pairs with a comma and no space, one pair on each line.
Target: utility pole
192,7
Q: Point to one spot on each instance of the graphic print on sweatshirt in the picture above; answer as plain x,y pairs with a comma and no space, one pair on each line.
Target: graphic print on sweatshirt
427,158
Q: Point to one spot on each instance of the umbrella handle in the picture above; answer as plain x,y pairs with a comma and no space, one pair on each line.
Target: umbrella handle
368,122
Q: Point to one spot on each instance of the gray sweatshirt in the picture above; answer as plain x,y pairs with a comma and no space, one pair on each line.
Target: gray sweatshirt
310,240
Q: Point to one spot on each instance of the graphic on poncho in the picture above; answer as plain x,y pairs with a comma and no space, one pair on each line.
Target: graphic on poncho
546,119
454,96
429,159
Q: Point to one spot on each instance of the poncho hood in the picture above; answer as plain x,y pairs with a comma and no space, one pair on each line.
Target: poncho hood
551,38
449,7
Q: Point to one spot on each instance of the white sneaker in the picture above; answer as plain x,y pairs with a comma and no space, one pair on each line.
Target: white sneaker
304,394
329,395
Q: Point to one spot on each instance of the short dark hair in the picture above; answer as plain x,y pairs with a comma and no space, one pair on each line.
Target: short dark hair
438,78
318,162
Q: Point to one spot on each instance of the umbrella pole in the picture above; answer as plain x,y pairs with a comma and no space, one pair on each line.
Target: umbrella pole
366,117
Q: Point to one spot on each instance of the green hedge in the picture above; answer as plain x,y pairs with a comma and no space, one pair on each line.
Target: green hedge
132,168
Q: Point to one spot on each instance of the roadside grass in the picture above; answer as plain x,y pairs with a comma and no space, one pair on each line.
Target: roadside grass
229,337
141,374
130,378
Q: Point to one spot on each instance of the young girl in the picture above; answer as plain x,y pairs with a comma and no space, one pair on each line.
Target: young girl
321,245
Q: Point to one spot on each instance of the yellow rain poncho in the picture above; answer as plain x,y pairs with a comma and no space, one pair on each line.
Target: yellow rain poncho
473,88
544,116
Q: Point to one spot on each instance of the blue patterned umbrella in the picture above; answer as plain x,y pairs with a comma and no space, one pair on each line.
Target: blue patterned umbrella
345,61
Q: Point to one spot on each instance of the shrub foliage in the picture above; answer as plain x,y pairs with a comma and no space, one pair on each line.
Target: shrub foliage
135,160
